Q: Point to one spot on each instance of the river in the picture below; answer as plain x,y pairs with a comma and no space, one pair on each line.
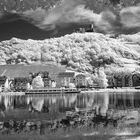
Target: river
102,116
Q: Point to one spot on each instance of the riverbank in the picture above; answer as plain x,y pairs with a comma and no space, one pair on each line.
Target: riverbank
12,93
118,90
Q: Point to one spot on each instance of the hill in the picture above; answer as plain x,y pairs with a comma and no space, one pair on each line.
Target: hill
82,52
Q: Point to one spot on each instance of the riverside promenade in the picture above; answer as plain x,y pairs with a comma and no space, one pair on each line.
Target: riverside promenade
118,90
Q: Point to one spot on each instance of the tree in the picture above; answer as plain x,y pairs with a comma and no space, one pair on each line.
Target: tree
102,80
37,82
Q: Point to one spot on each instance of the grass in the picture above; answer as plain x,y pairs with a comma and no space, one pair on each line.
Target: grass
20,70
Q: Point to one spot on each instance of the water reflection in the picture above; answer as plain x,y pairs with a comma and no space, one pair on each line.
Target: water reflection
124,101
44,114
102,102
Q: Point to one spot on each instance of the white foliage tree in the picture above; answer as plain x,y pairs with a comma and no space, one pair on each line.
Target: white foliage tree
37,82
102,80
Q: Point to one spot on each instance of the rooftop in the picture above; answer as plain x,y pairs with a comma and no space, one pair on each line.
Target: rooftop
66,74
13,71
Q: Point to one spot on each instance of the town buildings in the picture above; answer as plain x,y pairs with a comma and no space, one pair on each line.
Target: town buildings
65,78
124,79
20,77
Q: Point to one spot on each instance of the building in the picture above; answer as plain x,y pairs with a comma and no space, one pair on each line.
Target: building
45,74
135,77
110,81
3,83
131,79
47,82
46,79
80,80
65,78
89,28
20,83
18,73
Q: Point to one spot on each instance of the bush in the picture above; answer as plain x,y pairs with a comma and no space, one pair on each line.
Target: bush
37,82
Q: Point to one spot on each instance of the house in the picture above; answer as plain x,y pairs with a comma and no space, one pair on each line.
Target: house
46,79
136,78
3,83
20,83
65,78
110,81
80,80
47,82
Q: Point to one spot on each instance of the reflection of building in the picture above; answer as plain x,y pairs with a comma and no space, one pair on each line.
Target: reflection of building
101,102
97,101
65,78
121,101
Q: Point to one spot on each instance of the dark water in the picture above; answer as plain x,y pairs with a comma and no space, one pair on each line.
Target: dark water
96,115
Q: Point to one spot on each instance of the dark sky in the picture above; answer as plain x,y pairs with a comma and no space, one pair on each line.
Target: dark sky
14,26
31,18
22,29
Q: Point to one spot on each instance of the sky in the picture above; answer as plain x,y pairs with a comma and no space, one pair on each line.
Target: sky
39,19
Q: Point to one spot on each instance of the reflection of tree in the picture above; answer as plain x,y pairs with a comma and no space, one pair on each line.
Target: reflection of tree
98,101
69,100
8,102
36,103
105,105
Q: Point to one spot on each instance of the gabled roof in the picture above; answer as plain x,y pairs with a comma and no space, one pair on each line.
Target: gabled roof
66,74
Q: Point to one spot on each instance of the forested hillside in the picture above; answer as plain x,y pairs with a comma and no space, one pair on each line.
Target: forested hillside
82,52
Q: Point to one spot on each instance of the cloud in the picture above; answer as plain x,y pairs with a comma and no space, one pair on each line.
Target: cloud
70,11
130,17
75,11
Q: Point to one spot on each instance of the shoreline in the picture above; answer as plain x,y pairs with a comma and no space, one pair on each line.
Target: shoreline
12,93
111,90
121,90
